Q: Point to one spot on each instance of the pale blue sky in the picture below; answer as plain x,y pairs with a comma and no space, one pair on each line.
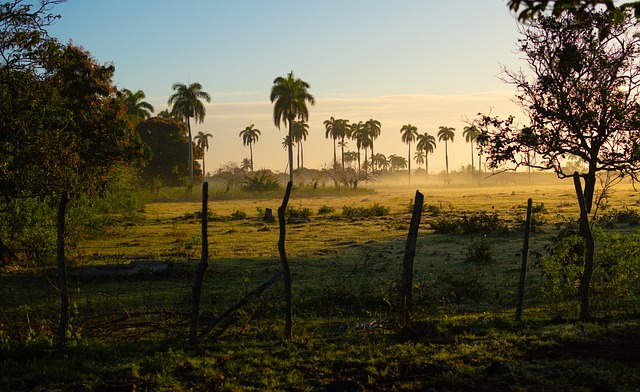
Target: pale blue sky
424,62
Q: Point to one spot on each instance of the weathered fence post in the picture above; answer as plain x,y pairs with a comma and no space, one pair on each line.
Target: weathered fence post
406,285
585,230
201,268
62,273
285,263
525,257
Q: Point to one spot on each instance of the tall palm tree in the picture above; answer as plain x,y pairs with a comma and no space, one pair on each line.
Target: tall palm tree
373,130
299,132
380,161
470,134
202,140
185,103
136,108
359,134
290,97
345,132
409,134
249,136
445,134
332,130
426,143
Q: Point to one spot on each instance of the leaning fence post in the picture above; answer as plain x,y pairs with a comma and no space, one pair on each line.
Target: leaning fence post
406,285
525,256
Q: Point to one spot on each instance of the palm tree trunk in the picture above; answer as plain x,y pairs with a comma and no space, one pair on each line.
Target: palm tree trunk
290,152
190,157
426,165
372,162
342,148
251,153
204,172
409,162
471,157
446,156
301,154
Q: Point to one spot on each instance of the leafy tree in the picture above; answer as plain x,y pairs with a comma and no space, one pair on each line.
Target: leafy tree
185,103
426,143
445,134
409,134
535,8
299,132
373,129
470,134
582,100
136,108
290,97
167,139
250,135
202,141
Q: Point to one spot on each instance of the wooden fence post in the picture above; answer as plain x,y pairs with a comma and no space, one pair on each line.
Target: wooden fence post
525,257
285,263
406,285
201,268
62,274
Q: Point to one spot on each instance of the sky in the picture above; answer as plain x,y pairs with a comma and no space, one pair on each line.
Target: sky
428,63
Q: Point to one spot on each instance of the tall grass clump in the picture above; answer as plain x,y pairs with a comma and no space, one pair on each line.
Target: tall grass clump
365,212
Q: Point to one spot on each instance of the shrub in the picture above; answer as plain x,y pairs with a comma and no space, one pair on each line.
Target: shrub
431,208
325,210
479,223
238,215
262,181
625,216
446,226
480,252
293,212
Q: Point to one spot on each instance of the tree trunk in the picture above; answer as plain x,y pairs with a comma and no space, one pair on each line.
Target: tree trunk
589,251
406,286
525,256
251,153
290,152
285,263
201,268
409,162
190,158
62,274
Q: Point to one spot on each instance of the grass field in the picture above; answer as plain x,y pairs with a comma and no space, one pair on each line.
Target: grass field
130,331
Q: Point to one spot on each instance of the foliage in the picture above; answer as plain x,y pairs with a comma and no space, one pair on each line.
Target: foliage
532,9
167,139
625,216
365,212
581,101
616,268
262,181
480,251
302,212
325,209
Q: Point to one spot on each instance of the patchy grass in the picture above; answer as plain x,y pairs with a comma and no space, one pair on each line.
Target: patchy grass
129,331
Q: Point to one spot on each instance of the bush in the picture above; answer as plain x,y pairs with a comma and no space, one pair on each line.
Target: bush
431,208
262,181
480,252
324,210
293,212
625,216
238,215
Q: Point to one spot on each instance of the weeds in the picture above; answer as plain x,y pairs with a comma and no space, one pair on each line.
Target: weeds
365,212
478,223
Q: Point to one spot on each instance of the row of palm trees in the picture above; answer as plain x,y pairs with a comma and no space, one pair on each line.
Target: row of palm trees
290,97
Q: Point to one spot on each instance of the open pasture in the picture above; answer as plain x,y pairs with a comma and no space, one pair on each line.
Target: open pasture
131,330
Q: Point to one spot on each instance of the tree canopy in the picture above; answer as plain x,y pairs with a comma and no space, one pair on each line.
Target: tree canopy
581,100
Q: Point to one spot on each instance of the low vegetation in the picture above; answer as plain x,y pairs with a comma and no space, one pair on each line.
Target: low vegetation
132,276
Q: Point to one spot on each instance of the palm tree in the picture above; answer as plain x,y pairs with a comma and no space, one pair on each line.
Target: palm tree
419,157
246,164
426,143
136,109
185,103
344,130
359,134
202,140
164,114
249,136
397,162
380,161
470,134
373,130
409,134
445,134
290,96
300,131
335,129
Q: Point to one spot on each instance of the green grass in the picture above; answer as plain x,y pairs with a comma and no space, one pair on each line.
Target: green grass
130,331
